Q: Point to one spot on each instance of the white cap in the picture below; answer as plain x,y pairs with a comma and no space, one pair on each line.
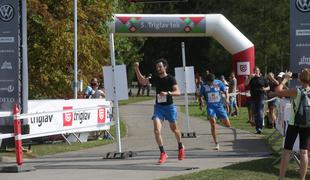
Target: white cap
280,75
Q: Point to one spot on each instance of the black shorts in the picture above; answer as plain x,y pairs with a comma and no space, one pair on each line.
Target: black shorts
291,135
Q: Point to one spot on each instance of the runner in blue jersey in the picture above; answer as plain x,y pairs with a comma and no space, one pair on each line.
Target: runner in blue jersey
211,91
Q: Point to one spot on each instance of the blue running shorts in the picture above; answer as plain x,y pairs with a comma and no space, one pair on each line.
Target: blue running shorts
217,112
165,112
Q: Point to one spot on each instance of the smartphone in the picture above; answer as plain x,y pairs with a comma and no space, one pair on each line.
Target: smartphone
295,75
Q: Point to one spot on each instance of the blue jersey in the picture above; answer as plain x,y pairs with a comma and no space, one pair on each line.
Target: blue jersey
212,93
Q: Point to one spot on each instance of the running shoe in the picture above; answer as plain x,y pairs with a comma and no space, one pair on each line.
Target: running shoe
181,154
163,157
217,146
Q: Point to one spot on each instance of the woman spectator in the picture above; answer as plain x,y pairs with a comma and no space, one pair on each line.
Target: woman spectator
293,129
273,83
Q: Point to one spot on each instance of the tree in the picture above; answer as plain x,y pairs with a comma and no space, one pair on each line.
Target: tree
50,39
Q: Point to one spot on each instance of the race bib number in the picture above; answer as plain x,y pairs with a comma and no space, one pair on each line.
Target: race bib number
213,97
161,99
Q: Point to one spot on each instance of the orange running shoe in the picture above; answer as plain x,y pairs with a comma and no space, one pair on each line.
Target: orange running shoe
163,157
181,154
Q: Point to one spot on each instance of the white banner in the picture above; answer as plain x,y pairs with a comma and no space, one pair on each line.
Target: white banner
56,122
121,88
190,79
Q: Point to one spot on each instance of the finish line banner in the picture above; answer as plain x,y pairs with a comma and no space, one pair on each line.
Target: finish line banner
160,24
300,35
55,121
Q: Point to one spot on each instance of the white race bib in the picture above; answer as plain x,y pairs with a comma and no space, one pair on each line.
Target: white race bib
161,99
214,97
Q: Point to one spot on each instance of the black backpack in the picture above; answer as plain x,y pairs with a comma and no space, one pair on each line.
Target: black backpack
302,113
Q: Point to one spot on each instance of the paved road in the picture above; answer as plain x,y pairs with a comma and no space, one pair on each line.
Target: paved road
236,146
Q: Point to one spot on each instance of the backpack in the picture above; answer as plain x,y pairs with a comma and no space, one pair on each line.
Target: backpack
302,113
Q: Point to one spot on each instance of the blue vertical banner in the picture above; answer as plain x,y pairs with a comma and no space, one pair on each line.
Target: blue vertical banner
9,54
300,35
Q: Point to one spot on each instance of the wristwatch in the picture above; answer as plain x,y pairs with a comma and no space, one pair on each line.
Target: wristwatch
169,93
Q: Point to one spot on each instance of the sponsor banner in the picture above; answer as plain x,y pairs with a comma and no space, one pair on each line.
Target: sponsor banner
300,35
243,68
68,121
160,24
9,55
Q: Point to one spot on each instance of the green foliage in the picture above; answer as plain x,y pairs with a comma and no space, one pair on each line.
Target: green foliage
50,41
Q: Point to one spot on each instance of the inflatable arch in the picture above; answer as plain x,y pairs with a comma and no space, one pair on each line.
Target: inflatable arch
186,25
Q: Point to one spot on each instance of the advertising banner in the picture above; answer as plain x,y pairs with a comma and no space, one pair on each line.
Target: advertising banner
161,24
300,35
9,55
69,121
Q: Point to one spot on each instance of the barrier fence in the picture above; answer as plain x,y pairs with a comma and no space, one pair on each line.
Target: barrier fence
75,119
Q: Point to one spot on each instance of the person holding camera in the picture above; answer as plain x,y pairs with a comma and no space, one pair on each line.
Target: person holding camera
299,122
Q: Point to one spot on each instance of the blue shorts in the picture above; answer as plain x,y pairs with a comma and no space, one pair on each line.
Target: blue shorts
217,112
232,101
165,112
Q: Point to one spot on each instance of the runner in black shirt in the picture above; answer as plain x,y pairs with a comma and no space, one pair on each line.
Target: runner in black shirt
164,109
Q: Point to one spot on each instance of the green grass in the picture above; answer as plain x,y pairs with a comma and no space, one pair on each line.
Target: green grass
252,170
262,169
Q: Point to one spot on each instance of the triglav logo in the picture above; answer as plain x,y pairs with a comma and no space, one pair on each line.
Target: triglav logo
67,116
303,5
243,68
101,115
6,65
304,61
6,12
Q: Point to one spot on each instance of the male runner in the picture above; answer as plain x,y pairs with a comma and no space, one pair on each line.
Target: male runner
211,91
164,109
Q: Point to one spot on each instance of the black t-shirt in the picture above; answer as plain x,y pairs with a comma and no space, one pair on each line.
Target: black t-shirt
163,84
256,87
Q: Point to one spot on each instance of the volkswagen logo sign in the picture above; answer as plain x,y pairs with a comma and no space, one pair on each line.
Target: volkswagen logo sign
6,12
303,5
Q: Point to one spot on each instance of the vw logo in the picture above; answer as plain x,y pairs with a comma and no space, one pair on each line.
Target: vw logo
303,5
6,12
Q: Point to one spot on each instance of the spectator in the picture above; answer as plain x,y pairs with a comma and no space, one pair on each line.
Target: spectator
91,88
223,97
273,83
232,90
198,83
293,129
258,88
249,102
